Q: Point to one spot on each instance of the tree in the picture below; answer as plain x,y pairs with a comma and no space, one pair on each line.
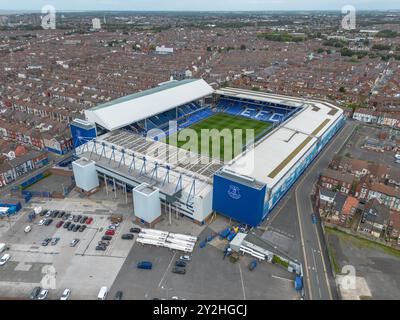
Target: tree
342,90
242,47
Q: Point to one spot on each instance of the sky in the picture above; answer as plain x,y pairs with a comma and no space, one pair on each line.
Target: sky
198,5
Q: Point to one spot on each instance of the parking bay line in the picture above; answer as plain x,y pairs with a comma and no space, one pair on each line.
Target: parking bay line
241,278
165,273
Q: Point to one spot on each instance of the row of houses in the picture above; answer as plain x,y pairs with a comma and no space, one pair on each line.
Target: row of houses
17,160
390,119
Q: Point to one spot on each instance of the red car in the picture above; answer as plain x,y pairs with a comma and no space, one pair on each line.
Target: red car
110,232
59,224
89,220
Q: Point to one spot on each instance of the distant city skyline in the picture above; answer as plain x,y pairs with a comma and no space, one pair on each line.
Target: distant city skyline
198,5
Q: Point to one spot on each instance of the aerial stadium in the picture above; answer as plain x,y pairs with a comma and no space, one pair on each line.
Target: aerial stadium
140,144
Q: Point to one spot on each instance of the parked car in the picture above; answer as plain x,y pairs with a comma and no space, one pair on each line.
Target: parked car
4,259
73,242
179,270
66,216
35,292
43,213
110,233
102,293
180,263
101,248
314,218
77,218
48,214
252,265
48,222
54,241
61,214
83,219
185,258
118,295
103,243
41,222
71,226
67,224
145,265
82,228
71,218
65,295
59,224
106,238
54,214
43,294
127,236
46,241
112,227
76,228
134,230
89,220
27,229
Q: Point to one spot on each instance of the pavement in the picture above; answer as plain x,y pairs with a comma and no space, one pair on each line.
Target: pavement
292,218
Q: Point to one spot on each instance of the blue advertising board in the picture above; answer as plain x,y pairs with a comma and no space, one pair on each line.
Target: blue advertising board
81,135
238,201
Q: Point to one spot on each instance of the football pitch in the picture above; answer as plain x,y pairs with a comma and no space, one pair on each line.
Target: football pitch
225,143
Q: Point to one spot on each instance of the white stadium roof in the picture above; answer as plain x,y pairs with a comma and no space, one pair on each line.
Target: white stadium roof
141,105
280,150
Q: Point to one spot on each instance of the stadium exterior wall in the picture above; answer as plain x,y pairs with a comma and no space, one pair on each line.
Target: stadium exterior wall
251,206
238,201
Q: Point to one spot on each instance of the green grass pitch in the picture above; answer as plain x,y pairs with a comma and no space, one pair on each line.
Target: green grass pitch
219,121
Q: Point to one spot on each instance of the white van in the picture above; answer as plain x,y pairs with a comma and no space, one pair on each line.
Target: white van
102,293
27,229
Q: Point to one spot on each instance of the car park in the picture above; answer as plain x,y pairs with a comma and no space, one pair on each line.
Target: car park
110,233
73,242
65,295
46,241
54,241
71,226
118,295
35,292
83,219
82,228
76,228
180,263
43,294
179,270
127,236
134,230
59,224
4,259
106,238
89,220
67,224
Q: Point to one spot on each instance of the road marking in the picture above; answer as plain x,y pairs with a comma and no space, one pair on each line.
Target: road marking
313,164
241,278
324,266
281,278
166,270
